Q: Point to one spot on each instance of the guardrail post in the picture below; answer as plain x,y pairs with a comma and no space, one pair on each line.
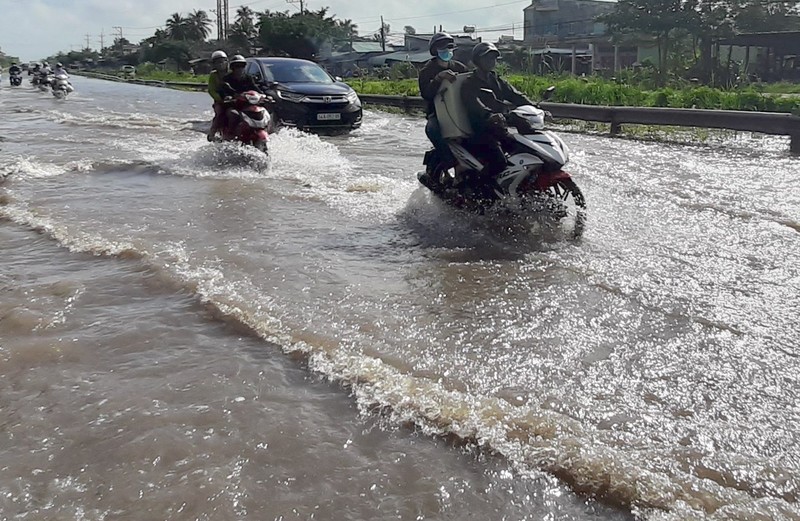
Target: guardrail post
794,143
616,126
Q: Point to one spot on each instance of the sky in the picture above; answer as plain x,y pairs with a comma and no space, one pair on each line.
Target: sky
35,29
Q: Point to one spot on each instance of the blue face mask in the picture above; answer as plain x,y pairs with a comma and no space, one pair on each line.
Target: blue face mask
445,54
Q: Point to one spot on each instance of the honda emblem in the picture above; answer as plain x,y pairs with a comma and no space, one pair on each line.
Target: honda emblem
327,99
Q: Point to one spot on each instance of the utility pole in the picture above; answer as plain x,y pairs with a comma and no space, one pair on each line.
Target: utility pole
383,35
301,2
118,28
87,40
223,22
102,39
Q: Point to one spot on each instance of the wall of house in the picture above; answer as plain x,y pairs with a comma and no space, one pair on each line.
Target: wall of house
564,18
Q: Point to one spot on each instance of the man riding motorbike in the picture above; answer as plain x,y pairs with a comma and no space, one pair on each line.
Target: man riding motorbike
442,67
219,62
14,69
233,83
487,98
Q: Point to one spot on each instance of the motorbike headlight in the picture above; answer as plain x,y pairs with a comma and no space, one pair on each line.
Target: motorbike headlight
352,97
291,96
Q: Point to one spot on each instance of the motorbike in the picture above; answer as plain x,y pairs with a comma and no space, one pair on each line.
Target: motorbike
15,78
61,86
533,179
247,120
44,82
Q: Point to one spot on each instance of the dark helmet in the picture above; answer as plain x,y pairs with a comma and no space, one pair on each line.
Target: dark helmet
482,49
438,41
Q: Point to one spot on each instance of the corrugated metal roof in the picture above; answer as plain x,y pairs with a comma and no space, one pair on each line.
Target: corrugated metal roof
364,47
401,56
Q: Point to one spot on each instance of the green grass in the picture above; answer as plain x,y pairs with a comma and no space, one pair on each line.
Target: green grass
598,91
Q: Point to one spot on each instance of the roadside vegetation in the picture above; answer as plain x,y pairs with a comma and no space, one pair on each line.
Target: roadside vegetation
599,91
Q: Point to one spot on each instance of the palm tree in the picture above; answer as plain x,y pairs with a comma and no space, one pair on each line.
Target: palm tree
198,25
176,27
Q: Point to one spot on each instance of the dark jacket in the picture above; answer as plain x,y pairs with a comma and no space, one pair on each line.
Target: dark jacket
230,86
429,85
15,69
480,104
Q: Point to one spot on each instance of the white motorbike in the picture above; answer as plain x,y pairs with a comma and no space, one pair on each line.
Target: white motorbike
61,86
533,178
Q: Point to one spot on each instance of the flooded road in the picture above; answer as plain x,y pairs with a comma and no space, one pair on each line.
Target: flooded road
188,331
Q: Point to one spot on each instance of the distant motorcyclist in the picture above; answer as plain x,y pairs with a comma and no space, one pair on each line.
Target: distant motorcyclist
487,98
219,62
439,69
233,83
14,69
44,74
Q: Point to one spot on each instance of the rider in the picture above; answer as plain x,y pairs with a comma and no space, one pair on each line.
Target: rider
486,98
14,69
60,70
44,73
236,82
442,67
219,61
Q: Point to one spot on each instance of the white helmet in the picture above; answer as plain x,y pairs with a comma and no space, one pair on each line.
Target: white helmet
219,54
238,59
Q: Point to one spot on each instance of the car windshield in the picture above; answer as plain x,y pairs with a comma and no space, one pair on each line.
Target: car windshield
296,72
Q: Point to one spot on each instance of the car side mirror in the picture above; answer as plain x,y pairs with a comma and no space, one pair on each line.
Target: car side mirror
338,78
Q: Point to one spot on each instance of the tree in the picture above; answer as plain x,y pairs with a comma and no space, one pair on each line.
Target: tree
409,30
198,25
766,15
177,27
299,35
654,18
243,30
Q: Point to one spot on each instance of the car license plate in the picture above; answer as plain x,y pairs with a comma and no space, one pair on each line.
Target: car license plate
329,116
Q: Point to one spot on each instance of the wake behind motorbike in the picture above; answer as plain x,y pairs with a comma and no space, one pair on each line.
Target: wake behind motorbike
248,121
533,180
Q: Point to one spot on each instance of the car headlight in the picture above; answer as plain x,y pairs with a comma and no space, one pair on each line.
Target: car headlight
352,97
291,96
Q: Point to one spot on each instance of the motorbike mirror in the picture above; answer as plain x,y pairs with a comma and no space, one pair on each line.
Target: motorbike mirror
548,93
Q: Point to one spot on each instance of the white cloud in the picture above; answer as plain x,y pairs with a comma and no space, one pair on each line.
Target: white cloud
33,29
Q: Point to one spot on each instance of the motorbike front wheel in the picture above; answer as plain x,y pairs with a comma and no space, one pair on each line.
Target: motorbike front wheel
564,201
262,147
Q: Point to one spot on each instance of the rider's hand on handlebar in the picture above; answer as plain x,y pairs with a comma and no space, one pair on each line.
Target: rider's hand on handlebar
446,75
496,120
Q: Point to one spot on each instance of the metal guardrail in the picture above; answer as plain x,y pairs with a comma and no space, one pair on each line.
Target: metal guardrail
774,123
765,122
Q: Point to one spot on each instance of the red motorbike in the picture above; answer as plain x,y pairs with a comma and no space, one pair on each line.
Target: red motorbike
247,121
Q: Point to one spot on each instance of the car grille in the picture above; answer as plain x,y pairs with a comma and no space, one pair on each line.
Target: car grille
327,99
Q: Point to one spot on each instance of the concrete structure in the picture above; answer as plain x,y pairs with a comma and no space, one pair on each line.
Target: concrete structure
572,24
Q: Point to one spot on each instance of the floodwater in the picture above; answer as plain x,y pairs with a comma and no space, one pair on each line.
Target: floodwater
189,331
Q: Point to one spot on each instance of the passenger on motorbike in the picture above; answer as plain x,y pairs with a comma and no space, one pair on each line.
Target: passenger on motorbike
487,98
219,62
439,69
233,83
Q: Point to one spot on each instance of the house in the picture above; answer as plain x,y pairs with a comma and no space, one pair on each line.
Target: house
770,56
570,29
